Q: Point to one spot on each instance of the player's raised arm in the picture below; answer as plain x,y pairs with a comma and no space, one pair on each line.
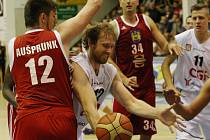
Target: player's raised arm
72,27
190,111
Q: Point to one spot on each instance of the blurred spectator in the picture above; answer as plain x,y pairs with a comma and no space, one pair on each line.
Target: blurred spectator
168,11
163,24
189,23
154,12
171,22
177,8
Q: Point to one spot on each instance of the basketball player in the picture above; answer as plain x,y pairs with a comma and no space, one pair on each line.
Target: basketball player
193,69
12,105
40,72
133,55
103,77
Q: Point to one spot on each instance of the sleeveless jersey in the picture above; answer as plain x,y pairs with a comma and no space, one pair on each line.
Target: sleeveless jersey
193,68
100,83
40,71
135,42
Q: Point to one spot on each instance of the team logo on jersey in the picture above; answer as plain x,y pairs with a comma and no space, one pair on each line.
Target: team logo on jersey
187,81
136,36
188,47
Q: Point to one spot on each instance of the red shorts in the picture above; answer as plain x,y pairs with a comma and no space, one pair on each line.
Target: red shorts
141,125
47,125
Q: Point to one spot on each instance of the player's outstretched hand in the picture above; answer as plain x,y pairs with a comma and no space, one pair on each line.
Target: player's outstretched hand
171,119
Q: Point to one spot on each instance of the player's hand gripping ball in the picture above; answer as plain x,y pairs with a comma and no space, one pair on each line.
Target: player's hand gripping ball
114,126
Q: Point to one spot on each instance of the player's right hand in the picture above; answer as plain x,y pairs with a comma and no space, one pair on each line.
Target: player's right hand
130,82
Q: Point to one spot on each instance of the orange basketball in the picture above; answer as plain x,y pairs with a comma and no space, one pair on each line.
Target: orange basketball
114,126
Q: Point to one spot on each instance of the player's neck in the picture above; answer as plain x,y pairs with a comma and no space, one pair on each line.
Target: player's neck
35,27
130,17
94,64
202,36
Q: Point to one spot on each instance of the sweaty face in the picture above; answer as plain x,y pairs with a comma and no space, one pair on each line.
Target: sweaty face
52,19
129,5
200,19
103,48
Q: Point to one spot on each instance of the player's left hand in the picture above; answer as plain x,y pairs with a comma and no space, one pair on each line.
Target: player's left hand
175,48
171,119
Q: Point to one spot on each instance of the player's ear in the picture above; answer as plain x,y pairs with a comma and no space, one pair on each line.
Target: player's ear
43,19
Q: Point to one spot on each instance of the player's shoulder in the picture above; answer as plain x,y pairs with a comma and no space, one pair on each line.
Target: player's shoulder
187,33
80,57
109,68
113,23
184,36
82,60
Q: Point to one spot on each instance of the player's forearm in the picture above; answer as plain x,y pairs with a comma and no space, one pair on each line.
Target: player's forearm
92,117
167,75
10,97
166,72
72,27
90,9
184,111
191,110
143,109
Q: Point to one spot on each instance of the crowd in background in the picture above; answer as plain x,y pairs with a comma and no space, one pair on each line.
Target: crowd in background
167,14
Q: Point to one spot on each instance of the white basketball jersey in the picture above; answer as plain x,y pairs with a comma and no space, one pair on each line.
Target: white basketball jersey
193,68
101,84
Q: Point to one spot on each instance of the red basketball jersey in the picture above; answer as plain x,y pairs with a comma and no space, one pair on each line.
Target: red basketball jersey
40,71
135,42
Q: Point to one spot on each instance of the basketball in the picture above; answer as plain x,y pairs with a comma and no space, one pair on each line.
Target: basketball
114,126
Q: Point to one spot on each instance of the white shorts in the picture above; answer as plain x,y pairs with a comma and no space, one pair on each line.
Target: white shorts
197,128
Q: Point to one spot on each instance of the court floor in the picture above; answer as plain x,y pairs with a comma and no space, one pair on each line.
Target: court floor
163,131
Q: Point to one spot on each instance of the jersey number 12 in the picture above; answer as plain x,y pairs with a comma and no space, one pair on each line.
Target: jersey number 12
46,73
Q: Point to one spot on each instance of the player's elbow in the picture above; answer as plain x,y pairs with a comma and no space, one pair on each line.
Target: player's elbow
189,115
